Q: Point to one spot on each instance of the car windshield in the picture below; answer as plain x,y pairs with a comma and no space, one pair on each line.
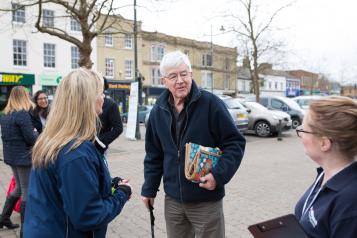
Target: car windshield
233,103
292,104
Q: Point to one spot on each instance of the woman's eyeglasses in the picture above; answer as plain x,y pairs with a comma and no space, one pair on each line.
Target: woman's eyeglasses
300,130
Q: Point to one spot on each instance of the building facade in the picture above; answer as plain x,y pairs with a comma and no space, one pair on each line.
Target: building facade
33,59
216,74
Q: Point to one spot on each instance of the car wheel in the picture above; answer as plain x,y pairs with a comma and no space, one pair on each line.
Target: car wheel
295,122
124,119
262,128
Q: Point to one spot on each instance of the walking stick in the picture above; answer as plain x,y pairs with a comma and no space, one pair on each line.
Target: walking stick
152,219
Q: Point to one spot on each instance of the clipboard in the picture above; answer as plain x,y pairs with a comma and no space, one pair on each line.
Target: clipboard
281,227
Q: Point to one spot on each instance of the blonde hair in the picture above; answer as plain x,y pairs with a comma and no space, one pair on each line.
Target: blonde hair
336,118
19,99
72,116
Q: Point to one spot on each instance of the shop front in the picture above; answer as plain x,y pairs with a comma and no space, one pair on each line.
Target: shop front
152,93
10,80
49,82
120,91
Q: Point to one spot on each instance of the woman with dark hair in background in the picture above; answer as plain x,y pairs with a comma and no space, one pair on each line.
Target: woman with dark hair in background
39,114
18,138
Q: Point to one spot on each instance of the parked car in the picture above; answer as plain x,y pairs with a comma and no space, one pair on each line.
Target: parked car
265,122
238,112
143,109
282,104
304,101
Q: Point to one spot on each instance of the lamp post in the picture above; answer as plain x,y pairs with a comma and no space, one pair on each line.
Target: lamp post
222,30
137,130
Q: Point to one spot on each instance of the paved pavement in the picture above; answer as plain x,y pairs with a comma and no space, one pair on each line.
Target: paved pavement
272,176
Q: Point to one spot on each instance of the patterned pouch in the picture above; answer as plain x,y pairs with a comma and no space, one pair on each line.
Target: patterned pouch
199,161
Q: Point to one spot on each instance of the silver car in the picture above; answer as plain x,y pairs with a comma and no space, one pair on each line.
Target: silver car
238,113
265,122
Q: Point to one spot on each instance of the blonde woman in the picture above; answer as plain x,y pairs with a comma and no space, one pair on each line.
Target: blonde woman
18,137
329,135
70,192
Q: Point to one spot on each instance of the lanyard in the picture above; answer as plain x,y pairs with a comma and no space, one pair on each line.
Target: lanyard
307,207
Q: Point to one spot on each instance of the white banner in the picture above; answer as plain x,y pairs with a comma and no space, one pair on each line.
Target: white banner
133,111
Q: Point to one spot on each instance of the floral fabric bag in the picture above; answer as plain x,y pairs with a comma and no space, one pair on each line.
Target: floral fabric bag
199,161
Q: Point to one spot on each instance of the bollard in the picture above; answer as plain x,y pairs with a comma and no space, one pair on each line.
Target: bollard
279,131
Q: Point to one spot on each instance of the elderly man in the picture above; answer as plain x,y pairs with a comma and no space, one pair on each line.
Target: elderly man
182,114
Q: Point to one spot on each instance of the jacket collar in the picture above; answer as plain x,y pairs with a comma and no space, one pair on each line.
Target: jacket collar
342,178
163,100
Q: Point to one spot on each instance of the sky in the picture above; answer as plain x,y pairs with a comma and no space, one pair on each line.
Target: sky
319,35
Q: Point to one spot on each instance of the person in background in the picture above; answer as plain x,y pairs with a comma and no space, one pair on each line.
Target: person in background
70,191
329,136
182,114
39,114
112,126
18,136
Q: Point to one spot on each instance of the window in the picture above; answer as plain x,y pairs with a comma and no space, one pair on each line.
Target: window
75,26
109,67
276,104
18,13
264,102
281,86
74,57
108,39
128,41
49,55
128,64
48,18
206,79
269,85
157,52
19,52
276,85
186,52
207,60
155,76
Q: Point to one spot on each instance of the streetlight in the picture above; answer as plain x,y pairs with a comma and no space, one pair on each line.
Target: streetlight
222,30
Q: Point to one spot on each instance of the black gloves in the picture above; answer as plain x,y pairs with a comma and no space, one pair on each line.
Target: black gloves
125,188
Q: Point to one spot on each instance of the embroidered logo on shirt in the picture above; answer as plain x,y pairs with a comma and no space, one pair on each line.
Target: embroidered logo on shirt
312,218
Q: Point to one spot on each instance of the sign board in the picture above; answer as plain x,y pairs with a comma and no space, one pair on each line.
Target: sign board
133,111
16,79
50,80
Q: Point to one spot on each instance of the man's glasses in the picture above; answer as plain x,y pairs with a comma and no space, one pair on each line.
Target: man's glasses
300,130
174,77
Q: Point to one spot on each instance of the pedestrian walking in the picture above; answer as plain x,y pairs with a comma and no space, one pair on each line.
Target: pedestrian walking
18,136
184,113
329,135
71,192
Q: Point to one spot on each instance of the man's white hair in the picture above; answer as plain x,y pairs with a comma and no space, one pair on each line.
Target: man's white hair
173,59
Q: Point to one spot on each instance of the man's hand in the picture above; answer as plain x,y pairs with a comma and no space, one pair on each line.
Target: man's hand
147,200
208,182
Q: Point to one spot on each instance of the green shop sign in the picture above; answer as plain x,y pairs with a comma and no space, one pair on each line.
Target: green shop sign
16,79
50,80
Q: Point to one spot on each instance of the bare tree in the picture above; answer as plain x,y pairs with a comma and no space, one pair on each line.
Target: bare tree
95,17
253,38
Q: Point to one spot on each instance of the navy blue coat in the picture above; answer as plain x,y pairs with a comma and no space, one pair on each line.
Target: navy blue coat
209,124
18,137
72,197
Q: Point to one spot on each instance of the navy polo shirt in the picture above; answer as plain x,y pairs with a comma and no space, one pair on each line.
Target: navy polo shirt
334,211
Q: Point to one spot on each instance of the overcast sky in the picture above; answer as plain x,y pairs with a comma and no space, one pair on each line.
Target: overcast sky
321,35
